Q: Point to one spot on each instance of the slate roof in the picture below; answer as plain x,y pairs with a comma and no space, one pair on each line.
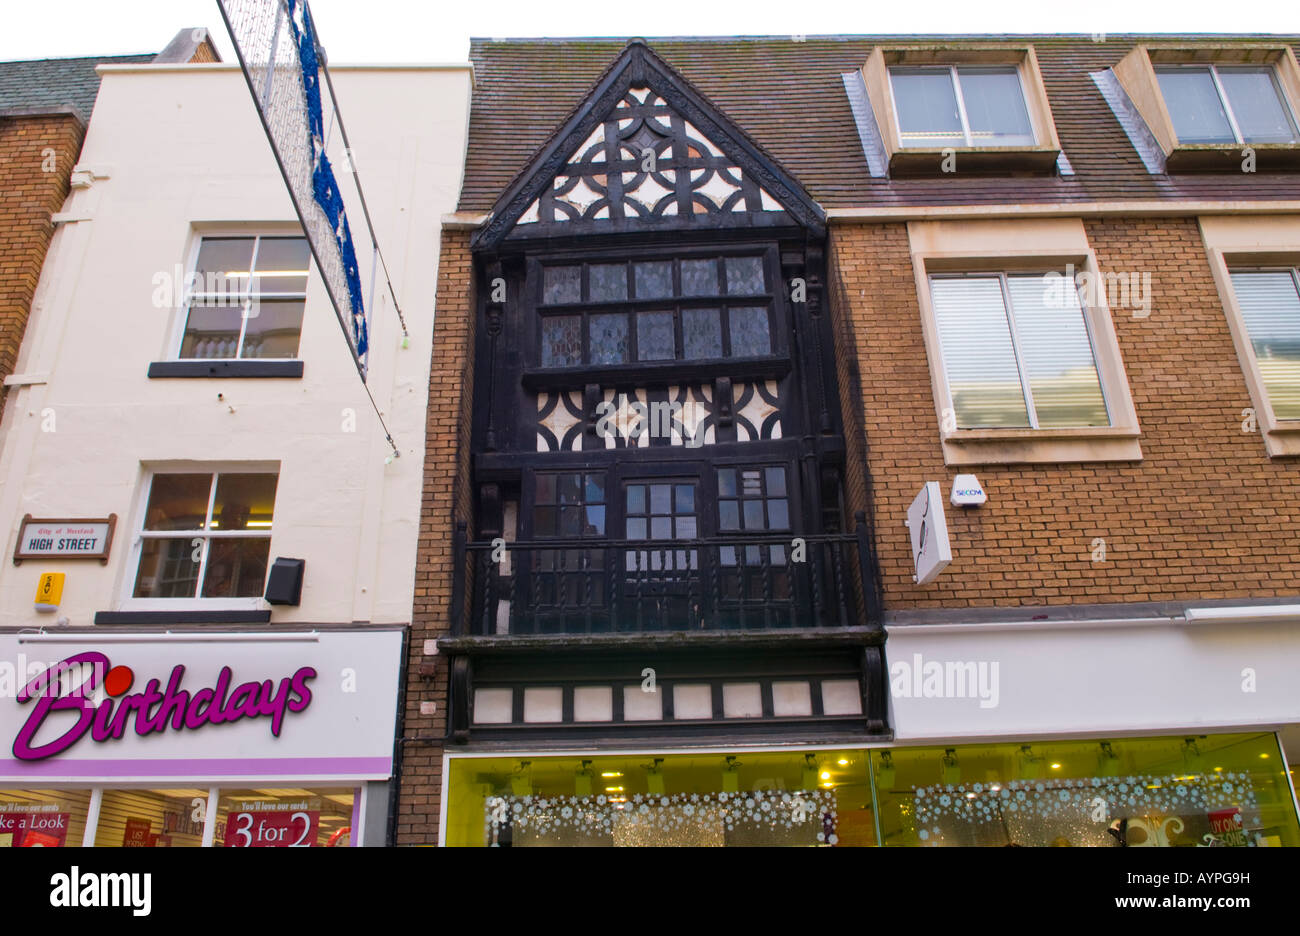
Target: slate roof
48,84
789,96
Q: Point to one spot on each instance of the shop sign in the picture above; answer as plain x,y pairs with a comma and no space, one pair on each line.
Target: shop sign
26,825
261,824
154,709
198,704
76,538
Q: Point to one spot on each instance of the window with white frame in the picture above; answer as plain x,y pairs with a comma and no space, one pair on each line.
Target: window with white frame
1269,300
245,298
206,535
1017,352
965,105
1229,104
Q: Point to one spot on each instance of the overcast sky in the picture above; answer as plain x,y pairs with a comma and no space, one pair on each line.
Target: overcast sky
439,30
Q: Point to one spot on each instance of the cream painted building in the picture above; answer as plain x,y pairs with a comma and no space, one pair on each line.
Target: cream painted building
185,382
175,154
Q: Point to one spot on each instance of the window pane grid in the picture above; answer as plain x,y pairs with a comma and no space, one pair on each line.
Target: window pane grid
167,551
680,309
210,331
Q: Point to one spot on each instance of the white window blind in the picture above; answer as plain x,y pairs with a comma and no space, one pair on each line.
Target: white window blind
1270,305
1017,353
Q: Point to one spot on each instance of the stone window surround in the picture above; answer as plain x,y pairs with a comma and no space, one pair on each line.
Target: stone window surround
1136,73
998,246
1253,241
875,73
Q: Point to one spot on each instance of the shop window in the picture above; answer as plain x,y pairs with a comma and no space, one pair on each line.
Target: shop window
245,298
1221,790
1016,354
152,818
176,818
206,535
689,309
272,818
820,798
43,818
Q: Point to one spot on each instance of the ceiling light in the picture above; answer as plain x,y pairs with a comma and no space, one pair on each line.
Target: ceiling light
826,774
809,773
612,773
950,770
886,773
1056,766
1030,764
843,762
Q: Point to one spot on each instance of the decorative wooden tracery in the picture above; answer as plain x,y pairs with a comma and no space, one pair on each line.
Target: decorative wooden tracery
646,150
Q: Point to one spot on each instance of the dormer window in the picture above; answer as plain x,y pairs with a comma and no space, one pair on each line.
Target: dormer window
1206,105
966,106
1226,104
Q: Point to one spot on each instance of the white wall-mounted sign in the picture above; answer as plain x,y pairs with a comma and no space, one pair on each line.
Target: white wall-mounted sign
967,491
65,539
931,551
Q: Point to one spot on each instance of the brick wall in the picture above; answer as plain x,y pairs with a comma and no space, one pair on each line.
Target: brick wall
36,158
1205,514
446,498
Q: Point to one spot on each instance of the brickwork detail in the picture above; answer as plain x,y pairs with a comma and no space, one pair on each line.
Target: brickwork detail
445,500
1206,514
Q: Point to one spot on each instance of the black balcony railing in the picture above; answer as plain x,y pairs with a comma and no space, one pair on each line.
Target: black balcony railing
592,586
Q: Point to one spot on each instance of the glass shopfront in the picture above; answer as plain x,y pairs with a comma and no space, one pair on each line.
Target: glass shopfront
176,818
1204,790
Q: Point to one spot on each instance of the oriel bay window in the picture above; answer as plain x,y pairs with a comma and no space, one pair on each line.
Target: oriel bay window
661,546
206,535
1017,353
245,298
655,310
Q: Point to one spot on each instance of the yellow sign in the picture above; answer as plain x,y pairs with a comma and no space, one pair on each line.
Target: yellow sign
49,591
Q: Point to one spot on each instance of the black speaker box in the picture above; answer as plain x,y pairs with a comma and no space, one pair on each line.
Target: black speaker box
284,584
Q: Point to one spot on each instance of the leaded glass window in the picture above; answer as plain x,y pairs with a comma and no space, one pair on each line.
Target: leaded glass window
678,309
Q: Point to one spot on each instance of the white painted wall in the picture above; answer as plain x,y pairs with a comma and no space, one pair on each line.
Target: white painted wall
181,152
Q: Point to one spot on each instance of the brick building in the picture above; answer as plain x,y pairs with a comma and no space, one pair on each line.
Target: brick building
856,271
44,106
